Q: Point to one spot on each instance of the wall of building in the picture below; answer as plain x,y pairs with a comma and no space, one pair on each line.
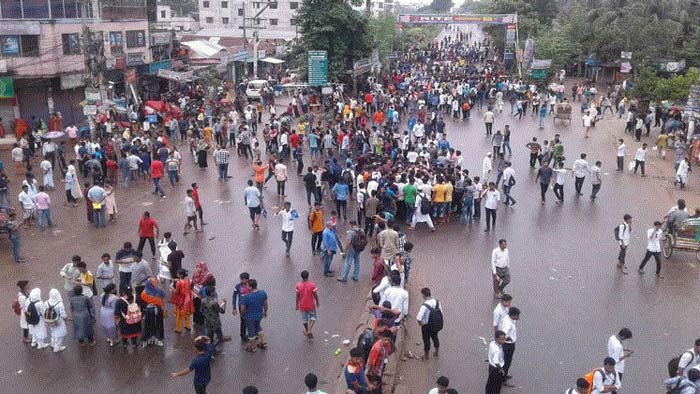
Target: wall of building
228,16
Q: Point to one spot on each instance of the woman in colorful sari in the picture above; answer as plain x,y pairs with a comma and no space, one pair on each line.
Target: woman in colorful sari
153,297
182,302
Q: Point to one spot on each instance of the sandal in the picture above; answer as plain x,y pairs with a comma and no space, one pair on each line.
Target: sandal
262,346
251,349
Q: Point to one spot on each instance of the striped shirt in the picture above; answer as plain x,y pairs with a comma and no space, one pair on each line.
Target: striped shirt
221,156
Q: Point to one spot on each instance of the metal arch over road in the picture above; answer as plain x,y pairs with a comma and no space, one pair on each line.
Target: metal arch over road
464,19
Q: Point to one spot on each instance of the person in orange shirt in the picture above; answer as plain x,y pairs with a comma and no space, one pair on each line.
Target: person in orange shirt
316,227
378,117
259,177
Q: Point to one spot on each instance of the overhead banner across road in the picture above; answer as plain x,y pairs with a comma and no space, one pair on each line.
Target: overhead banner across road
464,19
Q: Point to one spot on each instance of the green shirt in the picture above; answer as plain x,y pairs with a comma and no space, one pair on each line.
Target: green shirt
558,150
409,194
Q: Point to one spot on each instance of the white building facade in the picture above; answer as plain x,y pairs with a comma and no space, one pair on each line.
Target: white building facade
226,17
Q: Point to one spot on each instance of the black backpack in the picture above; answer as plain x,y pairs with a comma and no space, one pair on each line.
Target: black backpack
366,341
673,364
359,241
32,314
435,319
425,206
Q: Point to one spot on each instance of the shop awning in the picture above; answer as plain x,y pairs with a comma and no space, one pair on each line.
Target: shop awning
272,60
204,48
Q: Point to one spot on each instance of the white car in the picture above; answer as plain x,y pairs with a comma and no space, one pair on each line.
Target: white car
255,88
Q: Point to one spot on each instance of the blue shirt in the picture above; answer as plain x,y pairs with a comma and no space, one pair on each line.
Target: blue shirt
201,368
341,191
254,303
313,140
329,240
252,196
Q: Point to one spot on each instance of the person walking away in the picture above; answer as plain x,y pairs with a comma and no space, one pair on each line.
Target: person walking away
34,314
288,217
108,302
621,152
240,290
148,231
183,304
596,179
190,213
253,309
508,183
281,177
508,326
315,222
654,235
580,170
488,120
544,175
618,352
492,198
221,158
356,242
535,149
127,315
622,236
156,177
55,316
253,200
153,297
496,363
681,173
640,159
13,233
198,203
200,364
96,196
83,317
500,267
307,302
430,320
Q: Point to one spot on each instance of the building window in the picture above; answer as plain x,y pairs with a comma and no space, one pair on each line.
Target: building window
19,46
71,44
205,4
273,6
210,20
256,4
224,21
293,21
162,14
240,12
135,38
380,5
224,4
274,22
293,5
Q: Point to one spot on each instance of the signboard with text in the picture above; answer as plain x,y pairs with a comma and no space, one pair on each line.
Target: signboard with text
465,19
318,68
7,87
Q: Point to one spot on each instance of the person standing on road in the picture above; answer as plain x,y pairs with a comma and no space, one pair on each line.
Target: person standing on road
492,197
623,239
254,309
190,213
640,159
500,267
198,203
221,158
96,196
281,177
307,302
654,235
253,200
428,328
356,242
200,364
508,326
580,170
329,247
486,166
496,363
156,176
501,310
148,231
488,120
315,221
618,352
508,183
535,150
239,291
621,152
596,179
288,217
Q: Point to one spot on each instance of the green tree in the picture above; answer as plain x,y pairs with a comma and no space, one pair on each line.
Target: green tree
441,5
333,26
384,35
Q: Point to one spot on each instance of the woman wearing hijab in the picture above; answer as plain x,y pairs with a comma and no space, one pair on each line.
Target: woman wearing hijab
153,297
56,316
109,300
75,189
22,298
38,330
83,317
200,279
182,302
127,331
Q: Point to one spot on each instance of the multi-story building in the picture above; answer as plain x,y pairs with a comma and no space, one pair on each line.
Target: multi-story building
226,17
42,52
168,19
381,7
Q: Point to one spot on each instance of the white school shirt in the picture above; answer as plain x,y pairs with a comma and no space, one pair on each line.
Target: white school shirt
499,259
508,326
496,355
621,150
499,313
616,351
641,155
653,241
287,221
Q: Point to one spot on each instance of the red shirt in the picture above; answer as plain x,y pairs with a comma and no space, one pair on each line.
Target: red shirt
379,352
156,169
147,227
368,98
294,140
195,197
306,291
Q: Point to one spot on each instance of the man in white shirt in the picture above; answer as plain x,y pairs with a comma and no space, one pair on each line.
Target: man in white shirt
617,351
508,183
488,120
288,216
412,156
606,379
580,170
500,267
486,167
654,235
596,179
491,197
27,203
621,152
689,359
427,331
418,131
496,362
640,158
501,310
581,387
281,177
623,239
508,326
397,296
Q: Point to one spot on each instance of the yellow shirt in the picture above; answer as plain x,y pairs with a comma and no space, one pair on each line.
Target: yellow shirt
448,191
439,191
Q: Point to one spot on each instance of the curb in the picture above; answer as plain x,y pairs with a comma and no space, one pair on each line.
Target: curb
390,372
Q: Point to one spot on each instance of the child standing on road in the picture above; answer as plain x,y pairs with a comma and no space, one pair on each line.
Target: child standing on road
200,364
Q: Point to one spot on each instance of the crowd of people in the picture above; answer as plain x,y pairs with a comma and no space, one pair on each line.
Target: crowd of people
384,153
